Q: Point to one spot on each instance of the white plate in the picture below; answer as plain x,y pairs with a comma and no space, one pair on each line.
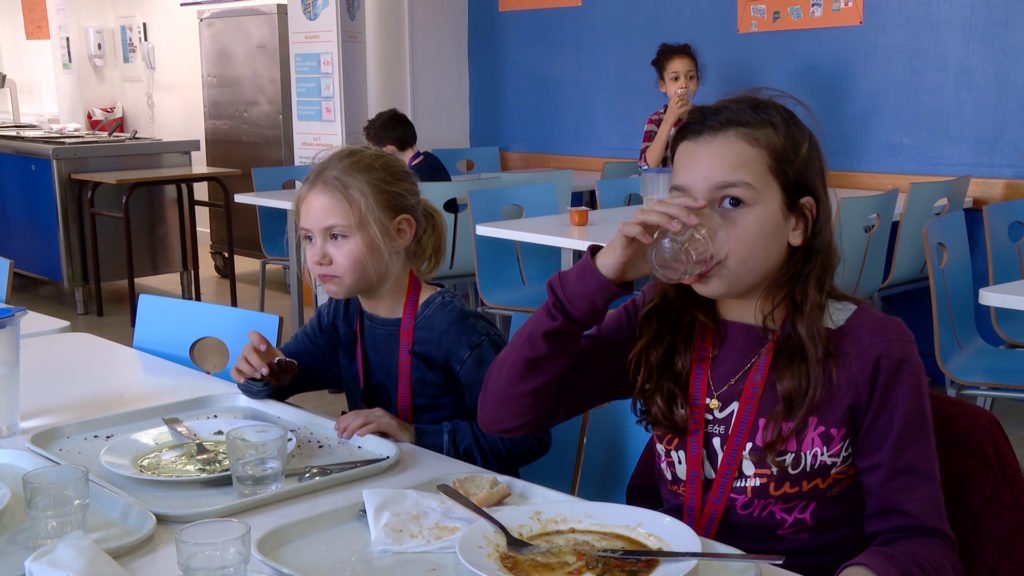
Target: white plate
5,496
706,567
481,543
122,454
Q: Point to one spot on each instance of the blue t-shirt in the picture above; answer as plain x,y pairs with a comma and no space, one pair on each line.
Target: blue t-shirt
451,350
429,168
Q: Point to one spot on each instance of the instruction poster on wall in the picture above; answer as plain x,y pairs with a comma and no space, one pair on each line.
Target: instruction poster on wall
774,15
313,31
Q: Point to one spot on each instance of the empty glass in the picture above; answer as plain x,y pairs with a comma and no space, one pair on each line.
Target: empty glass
257,454
677,256
56,500
214,547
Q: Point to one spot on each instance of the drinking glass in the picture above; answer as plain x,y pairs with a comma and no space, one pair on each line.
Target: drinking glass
214,547
677,256
257,453
56,500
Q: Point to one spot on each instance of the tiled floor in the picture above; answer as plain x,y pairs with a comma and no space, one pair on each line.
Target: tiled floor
50,299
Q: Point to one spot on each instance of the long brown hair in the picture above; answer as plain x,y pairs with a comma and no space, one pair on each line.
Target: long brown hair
799,293
378,187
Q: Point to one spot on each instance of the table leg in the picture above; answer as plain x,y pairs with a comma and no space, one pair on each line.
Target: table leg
231,240
191,197
186,284
567,258
93,247
129,258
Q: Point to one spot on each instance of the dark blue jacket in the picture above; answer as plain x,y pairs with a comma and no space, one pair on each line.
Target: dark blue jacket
451,350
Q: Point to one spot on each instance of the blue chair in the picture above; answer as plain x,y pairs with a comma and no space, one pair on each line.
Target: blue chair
174,329
511,275
862,228
474,160
617,169
560,179
274,222
619,192
560,467
972,366
924,201
1004,235
614,443
6,279
451,199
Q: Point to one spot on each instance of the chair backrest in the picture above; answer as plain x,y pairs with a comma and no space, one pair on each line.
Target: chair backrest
614,443
173,329
560,467
982,486
474,160
925,200
617,169
560,179
6,279
451,198
948,255
619,192
1004,236
504,265
274,222
862,228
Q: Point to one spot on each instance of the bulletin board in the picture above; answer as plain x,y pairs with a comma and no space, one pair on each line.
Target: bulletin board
772,15
505,5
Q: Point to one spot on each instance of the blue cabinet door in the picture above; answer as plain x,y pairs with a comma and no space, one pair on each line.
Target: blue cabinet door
29,226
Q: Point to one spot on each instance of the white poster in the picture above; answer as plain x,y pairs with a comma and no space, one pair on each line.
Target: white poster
313,40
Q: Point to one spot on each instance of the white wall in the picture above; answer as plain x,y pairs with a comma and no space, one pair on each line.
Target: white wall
387,55
28,63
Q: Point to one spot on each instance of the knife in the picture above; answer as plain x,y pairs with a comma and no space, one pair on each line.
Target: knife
670,554
334,466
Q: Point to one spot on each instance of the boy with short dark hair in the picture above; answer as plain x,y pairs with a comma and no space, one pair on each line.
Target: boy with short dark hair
394,133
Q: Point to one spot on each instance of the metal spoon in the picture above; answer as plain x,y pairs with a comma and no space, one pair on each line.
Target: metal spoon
315,472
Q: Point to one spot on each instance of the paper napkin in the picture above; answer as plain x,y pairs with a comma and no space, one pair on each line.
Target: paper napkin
414,521
73,555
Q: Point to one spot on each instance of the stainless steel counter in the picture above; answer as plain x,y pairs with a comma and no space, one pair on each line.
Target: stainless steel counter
41,226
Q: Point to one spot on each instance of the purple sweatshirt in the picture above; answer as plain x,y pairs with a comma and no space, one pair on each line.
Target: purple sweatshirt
860,485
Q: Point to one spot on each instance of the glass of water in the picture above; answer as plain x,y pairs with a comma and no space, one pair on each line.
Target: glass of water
676,256
56,500
214,547
257,453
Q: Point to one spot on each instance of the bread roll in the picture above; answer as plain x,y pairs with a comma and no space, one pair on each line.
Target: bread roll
483,490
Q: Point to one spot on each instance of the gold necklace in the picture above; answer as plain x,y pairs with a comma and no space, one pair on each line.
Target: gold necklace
714,404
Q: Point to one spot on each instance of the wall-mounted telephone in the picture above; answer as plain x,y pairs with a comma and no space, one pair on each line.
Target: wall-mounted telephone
148,50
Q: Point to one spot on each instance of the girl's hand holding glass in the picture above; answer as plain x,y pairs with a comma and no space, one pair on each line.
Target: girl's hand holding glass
625,257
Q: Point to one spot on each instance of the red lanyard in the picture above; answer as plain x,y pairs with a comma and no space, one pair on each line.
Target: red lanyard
704,517
412,301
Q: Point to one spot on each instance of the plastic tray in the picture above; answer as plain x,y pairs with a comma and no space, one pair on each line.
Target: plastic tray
114,523
337,541
81,442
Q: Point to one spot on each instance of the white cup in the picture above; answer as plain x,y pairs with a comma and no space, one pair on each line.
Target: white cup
214,547
257,453
56,500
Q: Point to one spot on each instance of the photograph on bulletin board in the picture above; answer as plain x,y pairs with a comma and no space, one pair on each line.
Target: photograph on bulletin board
774,15
506,5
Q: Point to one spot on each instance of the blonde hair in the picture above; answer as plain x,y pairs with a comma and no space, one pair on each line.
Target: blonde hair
378,188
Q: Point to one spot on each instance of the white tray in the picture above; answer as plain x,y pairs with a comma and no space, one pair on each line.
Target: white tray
337,541
114,523
81,442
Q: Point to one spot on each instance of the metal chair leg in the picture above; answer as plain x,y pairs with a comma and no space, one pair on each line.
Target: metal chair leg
263,284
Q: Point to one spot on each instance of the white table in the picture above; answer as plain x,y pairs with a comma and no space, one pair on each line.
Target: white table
1008,295
109,377
36,324
284,200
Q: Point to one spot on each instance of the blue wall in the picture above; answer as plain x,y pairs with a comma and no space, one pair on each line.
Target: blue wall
922,87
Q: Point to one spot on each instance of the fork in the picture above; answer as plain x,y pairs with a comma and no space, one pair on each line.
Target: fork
204,456
512,542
